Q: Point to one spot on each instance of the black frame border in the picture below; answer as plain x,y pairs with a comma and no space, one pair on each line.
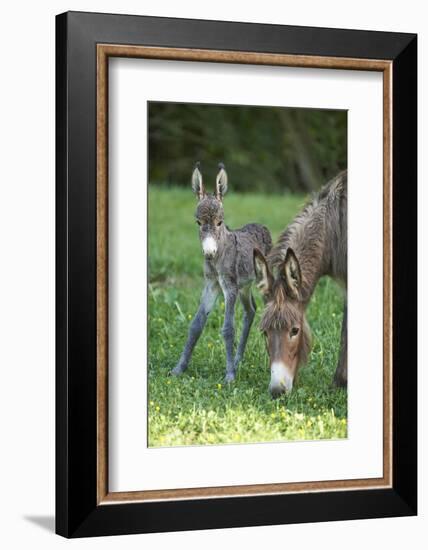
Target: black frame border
77,512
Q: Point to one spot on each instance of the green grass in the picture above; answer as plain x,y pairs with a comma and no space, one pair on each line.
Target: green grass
198,408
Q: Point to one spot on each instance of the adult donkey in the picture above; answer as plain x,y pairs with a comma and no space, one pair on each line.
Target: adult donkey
313,245
228,266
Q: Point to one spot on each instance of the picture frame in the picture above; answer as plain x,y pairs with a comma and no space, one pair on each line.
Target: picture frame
84,44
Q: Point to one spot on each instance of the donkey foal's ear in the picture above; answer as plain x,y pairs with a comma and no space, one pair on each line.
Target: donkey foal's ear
197,185
221,182
263,276
292,274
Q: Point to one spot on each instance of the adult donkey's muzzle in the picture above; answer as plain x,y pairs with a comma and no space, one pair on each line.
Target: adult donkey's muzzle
281,379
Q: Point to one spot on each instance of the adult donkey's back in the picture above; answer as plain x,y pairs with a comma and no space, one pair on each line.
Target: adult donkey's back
313,245
228,267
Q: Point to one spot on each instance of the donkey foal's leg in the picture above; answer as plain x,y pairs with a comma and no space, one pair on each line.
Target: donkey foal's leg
341,374
228,331
249,306
209,295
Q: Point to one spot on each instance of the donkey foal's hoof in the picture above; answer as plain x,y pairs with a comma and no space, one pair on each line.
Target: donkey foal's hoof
230,377
175,372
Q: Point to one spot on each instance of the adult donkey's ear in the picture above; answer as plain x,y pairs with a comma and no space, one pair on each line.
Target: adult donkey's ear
291,274
264,279
221,182
197,185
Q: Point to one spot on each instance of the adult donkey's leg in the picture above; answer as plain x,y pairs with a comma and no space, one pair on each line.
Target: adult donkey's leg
230,291
209,295
341,375
249,306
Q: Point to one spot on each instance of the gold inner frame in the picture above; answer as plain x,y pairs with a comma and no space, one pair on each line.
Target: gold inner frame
104,51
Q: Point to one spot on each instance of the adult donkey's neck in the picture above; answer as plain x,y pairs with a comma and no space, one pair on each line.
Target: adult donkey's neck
306,235
318,237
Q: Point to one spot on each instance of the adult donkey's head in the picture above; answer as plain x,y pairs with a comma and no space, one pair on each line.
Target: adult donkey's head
209,213
283,321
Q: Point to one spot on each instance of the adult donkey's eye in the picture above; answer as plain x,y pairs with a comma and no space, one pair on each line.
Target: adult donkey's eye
198,222
294,331
219,223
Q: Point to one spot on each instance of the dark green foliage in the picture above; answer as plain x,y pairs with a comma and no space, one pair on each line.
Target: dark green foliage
268,149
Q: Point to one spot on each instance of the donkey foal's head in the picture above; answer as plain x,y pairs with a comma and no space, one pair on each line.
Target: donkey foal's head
209,213
283,321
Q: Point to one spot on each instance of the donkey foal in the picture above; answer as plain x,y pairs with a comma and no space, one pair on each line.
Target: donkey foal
228,267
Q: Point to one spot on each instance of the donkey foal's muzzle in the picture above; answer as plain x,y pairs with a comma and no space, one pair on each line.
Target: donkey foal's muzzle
209,247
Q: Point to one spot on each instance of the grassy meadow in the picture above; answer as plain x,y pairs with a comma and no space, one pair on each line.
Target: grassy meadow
198,408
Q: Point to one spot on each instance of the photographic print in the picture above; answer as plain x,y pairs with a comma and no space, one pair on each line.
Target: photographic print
227,313
247,273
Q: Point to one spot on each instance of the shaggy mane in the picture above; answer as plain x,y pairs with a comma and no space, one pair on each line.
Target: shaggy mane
280,311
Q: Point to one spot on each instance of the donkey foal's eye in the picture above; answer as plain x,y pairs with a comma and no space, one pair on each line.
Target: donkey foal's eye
198,222
219,223
294,331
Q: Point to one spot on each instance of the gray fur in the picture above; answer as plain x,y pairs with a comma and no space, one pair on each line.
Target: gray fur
197,184
229,269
